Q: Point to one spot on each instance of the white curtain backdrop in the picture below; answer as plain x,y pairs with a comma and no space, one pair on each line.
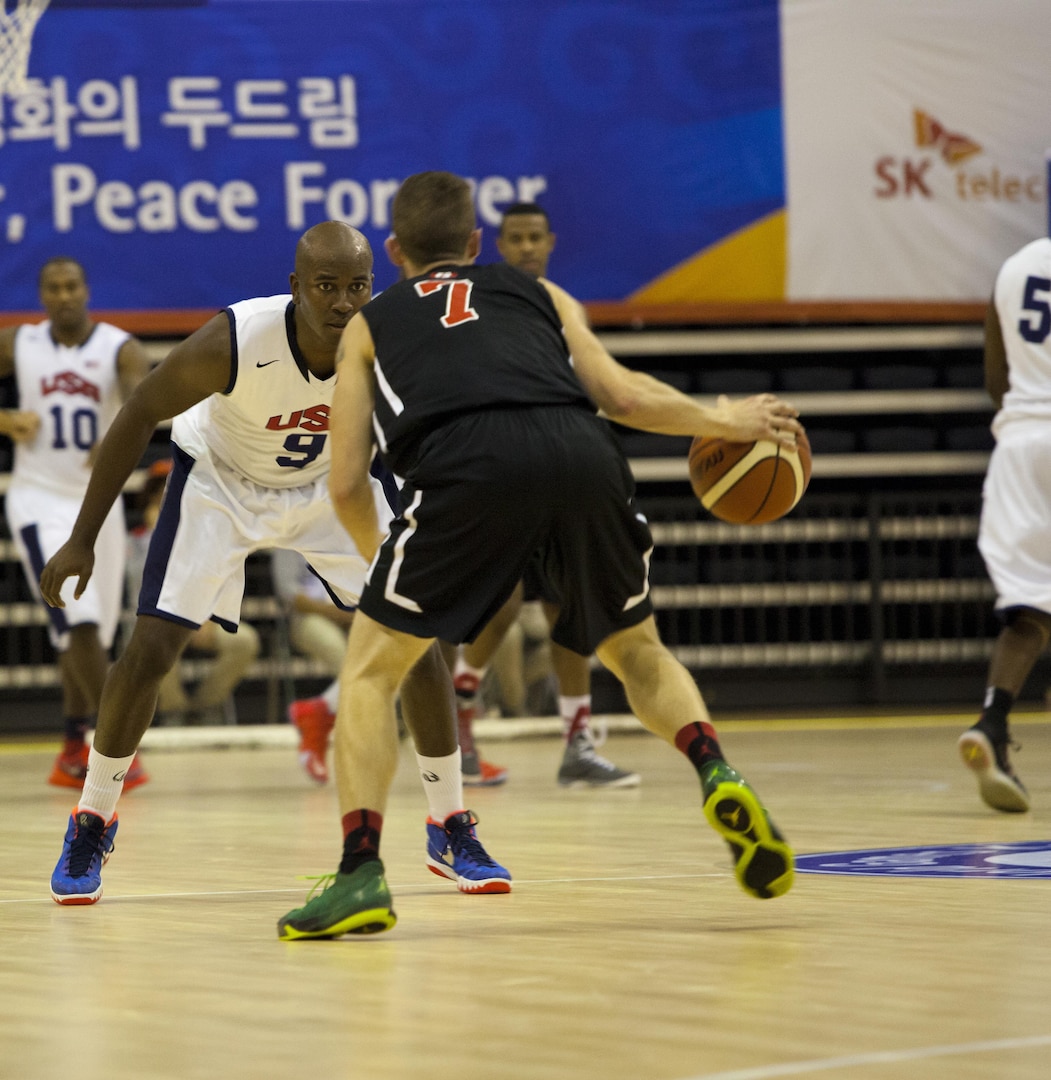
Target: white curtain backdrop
916,134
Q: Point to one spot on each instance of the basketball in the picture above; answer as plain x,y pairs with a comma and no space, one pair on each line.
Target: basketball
749,483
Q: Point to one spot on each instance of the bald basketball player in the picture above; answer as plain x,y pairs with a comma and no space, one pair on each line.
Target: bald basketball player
251,393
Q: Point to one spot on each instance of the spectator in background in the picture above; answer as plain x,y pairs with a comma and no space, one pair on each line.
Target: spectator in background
233,653
1014,535
526,241
72,374
316,628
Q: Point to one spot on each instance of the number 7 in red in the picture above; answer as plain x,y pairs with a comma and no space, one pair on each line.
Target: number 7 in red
457,300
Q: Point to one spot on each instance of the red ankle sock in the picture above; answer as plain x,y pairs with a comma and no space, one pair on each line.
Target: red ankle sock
361,839
699,743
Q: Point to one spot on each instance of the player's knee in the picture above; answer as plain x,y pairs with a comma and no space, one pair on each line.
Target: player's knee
153,649
1029,619
83,636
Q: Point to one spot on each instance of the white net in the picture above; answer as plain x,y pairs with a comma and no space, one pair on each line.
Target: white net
17,23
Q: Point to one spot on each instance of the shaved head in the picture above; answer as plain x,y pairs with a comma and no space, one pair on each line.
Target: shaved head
331,242
331,281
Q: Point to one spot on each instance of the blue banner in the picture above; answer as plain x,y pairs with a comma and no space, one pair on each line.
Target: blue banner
178,150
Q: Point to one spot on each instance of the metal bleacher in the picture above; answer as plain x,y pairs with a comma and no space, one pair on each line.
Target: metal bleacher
870,591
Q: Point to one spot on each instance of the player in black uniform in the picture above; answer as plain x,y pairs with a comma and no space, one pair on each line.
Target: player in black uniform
476,405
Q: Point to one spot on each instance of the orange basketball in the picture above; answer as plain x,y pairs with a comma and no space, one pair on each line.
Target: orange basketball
749,483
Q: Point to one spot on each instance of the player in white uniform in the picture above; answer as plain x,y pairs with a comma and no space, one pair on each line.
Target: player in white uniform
72,374
251,392
1015,532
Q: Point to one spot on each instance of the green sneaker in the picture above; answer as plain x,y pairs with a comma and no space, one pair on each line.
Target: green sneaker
357,903
763,861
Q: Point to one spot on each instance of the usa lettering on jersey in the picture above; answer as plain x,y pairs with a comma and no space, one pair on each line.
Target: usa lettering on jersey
69,382
313,419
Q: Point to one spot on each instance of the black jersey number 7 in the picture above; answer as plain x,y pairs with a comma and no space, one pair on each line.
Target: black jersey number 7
458,308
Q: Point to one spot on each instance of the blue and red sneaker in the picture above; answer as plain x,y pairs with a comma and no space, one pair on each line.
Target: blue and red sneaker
455,852
88,844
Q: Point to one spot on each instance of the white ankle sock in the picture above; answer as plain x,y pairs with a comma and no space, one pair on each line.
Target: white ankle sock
442,784
104,783
331,697
568,708
468,678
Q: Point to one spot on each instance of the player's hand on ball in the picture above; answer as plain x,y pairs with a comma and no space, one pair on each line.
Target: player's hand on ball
762,416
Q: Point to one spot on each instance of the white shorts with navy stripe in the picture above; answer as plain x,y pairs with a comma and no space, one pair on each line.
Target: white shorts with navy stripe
40,523
1014,536
212,519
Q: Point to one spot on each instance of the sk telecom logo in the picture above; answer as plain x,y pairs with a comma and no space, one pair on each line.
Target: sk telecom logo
911,176
953,148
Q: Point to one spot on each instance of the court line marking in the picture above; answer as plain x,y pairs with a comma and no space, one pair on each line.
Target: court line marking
283,736
878,1057
401,890
852,723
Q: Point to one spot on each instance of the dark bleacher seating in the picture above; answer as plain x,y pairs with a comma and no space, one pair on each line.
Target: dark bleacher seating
900,439
899,377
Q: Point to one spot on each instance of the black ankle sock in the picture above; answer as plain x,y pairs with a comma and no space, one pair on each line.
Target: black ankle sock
700,744
997,705
361,839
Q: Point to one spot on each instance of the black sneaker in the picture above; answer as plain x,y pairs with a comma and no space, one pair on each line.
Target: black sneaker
986,756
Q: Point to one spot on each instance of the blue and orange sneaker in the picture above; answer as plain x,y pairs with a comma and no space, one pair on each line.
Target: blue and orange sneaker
763,861
455,852
87,845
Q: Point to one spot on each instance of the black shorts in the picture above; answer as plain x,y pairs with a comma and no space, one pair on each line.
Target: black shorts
493,490
535,585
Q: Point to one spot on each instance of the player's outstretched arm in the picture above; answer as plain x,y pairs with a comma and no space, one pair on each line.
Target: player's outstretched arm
640,401
350,425
195,368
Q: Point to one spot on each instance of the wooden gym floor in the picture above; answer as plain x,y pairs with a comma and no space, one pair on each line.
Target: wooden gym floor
625,952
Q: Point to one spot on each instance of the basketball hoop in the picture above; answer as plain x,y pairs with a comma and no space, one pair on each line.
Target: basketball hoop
16,31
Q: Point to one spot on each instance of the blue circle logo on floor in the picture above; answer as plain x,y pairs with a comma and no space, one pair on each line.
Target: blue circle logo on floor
1025,859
